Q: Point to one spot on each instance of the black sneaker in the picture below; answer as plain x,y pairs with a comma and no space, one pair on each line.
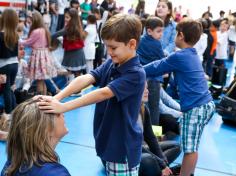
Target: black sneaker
176,169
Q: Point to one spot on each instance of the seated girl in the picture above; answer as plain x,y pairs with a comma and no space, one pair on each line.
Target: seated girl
31,142
156,156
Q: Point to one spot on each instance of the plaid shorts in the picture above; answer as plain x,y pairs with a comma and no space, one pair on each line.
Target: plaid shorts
192,125
120,169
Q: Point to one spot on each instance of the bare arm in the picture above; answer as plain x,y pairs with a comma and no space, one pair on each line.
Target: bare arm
52,105
95,96
76,85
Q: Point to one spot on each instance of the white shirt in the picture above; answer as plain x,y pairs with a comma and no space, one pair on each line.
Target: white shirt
232,33
201,46
89,43
62,4
222,45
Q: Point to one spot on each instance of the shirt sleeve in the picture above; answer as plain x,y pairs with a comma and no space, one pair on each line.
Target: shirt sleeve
57,34
168,100
151,139
34,36
99,71
161,67
127,85
171,44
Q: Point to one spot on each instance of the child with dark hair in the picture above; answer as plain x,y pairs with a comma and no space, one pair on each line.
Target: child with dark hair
150,49
195,99
75,4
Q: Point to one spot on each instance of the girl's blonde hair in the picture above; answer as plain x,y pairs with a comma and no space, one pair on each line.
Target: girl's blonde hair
38,22
9,22
29,137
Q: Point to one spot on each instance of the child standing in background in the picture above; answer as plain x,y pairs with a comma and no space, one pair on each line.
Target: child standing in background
222,44
89,43
8,55
195,99
73,42
150,49
40,65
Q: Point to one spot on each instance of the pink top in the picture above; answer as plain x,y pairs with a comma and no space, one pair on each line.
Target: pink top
37,39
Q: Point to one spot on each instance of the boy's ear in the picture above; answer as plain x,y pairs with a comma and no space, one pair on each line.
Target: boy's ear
149,31
132,43
181,35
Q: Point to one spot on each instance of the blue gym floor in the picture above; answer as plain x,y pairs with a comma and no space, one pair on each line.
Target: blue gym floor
217,153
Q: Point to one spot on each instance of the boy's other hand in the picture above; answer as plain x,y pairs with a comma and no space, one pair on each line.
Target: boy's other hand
50,105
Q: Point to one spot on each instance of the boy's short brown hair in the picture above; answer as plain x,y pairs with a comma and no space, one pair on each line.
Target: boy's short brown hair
153,22
191,30
122,28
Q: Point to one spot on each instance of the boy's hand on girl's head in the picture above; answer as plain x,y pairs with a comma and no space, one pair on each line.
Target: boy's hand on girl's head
50,105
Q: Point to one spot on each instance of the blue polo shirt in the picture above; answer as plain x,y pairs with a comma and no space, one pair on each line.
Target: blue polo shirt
118,137
188,74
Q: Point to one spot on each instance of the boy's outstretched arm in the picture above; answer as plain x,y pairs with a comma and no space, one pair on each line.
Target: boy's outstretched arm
75,86
52,105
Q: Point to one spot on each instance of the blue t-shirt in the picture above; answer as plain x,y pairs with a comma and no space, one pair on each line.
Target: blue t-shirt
117,134
188,74
149,50
46,169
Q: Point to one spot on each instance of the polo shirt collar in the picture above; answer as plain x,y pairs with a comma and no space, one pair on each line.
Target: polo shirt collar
126,66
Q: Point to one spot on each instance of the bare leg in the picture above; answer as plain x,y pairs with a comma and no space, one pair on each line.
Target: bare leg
188,164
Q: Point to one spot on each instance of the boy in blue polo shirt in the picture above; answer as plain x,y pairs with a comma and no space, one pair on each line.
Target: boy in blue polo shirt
195,99
118,137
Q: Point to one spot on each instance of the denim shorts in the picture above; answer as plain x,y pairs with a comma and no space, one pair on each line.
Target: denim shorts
192,125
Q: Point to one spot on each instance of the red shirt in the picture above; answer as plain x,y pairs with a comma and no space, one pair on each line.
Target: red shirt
72,45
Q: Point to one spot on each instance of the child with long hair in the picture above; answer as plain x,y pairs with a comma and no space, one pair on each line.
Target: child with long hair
40,63
31,142
73,42
156,156
164,11
8,55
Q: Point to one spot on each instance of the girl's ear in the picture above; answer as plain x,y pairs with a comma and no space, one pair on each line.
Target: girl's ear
132,44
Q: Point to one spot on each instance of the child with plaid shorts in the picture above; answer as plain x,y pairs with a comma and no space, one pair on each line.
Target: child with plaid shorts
195,99
121,81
